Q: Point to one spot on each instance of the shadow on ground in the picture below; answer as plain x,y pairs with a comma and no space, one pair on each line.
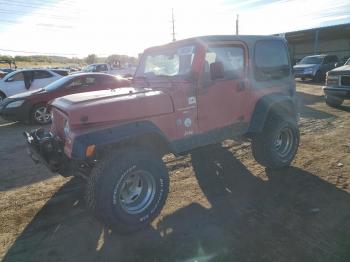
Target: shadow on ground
289,217
306,100
13,150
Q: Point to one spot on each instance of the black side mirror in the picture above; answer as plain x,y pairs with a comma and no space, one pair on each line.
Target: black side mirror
216,71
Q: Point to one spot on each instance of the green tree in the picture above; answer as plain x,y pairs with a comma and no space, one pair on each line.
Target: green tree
91,59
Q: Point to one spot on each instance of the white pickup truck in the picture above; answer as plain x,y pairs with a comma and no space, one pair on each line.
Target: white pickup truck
109,69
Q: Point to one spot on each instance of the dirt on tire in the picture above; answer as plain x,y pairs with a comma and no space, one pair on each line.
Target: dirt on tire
222,205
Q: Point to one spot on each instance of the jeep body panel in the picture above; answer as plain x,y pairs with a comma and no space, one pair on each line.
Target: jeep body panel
100,107
182,112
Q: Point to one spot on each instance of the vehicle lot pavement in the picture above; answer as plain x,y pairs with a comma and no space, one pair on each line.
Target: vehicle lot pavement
222,205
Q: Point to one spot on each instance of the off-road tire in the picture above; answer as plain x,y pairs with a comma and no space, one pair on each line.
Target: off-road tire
333,101
104,188
264,147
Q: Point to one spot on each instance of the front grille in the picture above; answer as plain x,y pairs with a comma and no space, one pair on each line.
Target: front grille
58,123
298,71
345,80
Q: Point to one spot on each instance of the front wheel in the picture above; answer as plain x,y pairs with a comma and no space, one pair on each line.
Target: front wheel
127,190
334,101
41,114
277,145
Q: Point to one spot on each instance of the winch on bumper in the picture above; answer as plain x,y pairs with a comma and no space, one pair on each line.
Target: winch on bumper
46,148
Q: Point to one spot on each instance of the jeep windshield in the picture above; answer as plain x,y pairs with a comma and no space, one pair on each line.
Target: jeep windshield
311,60
166,63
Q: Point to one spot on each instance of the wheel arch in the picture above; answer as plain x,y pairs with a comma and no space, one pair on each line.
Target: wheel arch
273,104
139,134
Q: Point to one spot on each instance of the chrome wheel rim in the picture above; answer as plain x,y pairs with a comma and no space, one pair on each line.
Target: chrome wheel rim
137,191
42,115
284,142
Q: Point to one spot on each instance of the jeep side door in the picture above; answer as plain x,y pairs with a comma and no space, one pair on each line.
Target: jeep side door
221,93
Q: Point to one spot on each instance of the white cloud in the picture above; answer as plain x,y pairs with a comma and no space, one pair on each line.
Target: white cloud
128,27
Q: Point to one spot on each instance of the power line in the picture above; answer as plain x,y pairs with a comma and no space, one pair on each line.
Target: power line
34,52
13,12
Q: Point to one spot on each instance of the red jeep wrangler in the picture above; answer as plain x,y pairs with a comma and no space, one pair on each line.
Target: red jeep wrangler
185,95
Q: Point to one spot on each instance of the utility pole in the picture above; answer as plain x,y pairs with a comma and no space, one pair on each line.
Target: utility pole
237,18
173,22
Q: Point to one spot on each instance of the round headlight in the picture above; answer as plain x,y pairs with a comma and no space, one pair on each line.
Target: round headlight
66,128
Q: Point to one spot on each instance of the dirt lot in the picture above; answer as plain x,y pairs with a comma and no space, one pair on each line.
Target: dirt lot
222,205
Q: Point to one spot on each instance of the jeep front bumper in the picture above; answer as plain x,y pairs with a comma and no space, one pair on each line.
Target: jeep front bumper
45,148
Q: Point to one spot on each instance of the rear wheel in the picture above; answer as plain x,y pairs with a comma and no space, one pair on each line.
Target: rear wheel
318,77
41,114
334,101
277,144
128,190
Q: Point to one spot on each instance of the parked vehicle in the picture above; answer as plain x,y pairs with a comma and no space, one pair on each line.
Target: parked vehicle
2,74
26,80
315,67
186,94
33,105
109,69
8,70
337,87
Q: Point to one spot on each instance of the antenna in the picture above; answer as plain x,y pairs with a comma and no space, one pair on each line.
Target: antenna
173,22
237,21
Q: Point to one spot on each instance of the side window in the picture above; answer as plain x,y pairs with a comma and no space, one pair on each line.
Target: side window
89,81
327,60
101,68
231,57
271,60
76,83
41,74
334,59
17,77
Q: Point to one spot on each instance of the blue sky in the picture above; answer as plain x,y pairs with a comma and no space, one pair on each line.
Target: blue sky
80,27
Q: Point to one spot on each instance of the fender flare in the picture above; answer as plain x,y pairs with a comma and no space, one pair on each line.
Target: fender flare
143,133
276,103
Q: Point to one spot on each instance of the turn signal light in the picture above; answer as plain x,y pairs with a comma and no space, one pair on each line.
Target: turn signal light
90,150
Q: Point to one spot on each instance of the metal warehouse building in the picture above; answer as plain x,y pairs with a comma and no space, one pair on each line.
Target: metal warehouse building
333,40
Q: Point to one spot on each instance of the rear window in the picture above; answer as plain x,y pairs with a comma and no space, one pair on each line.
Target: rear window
41,74
271,60
61,72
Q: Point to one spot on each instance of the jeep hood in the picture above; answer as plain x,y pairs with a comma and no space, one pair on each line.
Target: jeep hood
117,105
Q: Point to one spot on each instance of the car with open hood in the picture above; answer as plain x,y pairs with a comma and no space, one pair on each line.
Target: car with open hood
26,80
33,106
